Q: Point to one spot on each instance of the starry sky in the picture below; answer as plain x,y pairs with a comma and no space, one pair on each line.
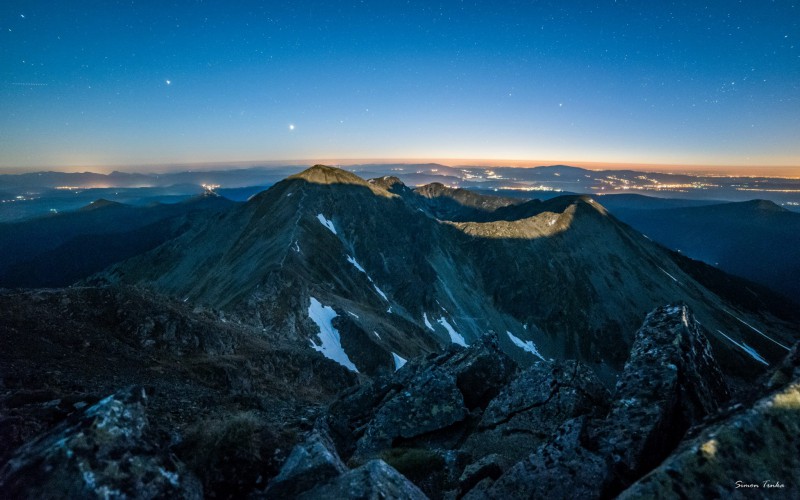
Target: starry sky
106,83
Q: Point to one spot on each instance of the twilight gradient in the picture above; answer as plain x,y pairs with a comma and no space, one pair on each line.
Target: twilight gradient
102,83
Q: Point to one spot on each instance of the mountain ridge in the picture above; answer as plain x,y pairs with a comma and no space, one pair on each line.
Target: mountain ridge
338,242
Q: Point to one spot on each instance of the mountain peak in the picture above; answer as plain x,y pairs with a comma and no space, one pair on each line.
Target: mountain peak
100,203
390,184
765,206
323,174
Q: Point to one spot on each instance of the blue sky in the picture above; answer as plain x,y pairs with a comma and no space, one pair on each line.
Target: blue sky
95,84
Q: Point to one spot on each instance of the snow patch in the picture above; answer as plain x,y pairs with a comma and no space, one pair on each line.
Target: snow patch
398,361
746,348
172,477
353,314
757,330
330,344
671,276
525,345
455,337
356,264
380,292
326,222
376,334
427,323
296,246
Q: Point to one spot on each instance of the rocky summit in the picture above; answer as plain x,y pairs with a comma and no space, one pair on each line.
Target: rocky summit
335,337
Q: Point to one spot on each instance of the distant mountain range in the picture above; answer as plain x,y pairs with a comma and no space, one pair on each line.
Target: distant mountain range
757,239
58,250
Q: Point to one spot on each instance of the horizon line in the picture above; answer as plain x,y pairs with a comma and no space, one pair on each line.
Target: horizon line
170,167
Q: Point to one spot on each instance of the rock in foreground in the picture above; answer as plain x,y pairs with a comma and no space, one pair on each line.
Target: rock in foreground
104,451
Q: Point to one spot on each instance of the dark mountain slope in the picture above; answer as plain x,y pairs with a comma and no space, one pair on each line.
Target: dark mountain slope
757,240
61,249
365,275
223,398
615,202
459,204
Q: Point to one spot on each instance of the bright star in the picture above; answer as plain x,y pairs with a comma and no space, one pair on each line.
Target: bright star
168,82
291,127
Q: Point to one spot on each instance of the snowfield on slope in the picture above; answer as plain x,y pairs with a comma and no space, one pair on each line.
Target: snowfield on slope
746,348
525,345
330,341
398,361
428,324
355,263
326,222
455,337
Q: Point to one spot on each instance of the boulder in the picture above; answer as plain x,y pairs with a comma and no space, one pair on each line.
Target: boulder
561,468
488,467
423,397
481,371
670,383
375,480
310,463
527,412
102,451
754,453
431,402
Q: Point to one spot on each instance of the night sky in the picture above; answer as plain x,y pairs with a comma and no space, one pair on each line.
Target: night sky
104,83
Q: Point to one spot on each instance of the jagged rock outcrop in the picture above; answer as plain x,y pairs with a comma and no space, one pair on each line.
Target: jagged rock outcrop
315,471
375,480
431,402
103,451
420,398
561,468
754,453
527,412
670,383
463,417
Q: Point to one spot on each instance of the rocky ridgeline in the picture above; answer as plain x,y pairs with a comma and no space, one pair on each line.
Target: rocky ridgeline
469,423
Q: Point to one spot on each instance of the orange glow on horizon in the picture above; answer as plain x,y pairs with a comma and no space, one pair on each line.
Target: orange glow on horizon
782,171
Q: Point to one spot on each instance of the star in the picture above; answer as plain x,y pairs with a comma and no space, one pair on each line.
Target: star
168,82
291,126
